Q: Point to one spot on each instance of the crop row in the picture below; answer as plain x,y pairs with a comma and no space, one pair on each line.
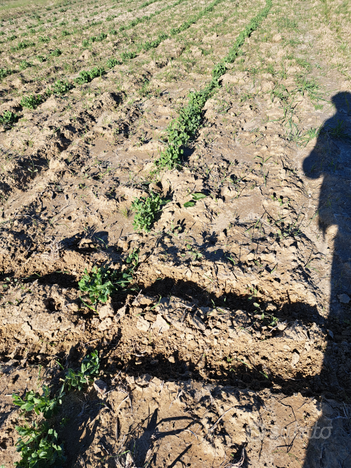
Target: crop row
184,128
86,42
61,87
13,34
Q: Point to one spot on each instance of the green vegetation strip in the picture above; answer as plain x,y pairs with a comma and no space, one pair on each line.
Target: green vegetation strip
38,442
145,18
182,129
174,31
146,4
61,87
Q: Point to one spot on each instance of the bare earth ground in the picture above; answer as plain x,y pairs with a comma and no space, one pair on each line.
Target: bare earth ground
232,347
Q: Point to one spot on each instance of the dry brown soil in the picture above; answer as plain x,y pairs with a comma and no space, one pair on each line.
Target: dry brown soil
232,346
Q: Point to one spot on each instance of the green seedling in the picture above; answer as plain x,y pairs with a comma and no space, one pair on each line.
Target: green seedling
4,72
125,56
24,64
339,130
147,211
44,39
8,118
101,282
31,102
87,76
196,197
85,376
112,62
61,87
33,401
309,87
101,37
38,446
56,53
133,259
23,45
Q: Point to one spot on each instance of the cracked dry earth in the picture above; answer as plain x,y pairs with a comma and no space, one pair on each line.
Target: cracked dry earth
232,346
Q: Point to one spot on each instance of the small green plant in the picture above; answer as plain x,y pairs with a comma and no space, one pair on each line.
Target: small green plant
23,45
39,448
33,401
339,130
38,441
101,37
24,64
195,197
44,39
147,211
4,72
61,87
85,376
102,281
31,102
125,56
8,118
112,62
87,76
56,53
41,58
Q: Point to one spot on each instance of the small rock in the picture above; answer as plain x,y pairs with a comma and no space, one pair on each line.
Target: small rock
105,324
100,386
295,359
282,326
344,298
142,324
143,380
86,55
120,313
106,311
277,38
197,323
160,324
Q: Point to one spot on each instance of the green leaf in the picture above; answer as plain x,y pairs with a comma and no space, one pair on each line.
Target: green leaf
198,196
189,204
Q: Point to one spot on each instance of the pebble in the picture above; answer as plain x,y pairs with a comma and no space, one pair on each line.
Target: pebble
344,298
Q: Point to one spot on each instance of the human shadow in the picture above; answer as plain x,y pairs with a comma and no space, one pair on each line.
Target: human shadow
331,160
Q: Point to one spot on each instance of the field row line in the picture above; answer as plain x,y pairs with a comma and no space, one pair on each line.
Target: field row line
61,87
4,72
184,128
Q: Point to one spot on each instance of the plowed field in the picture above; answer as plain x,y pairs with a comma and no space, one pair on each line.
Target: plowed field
191,161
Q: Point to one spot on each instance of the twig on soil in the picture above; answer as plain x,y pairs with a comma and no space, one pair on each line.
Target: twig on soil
106,449
240,462
83,408
179,393
126,398
218,420
89,342
191,432
117,425
82,460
